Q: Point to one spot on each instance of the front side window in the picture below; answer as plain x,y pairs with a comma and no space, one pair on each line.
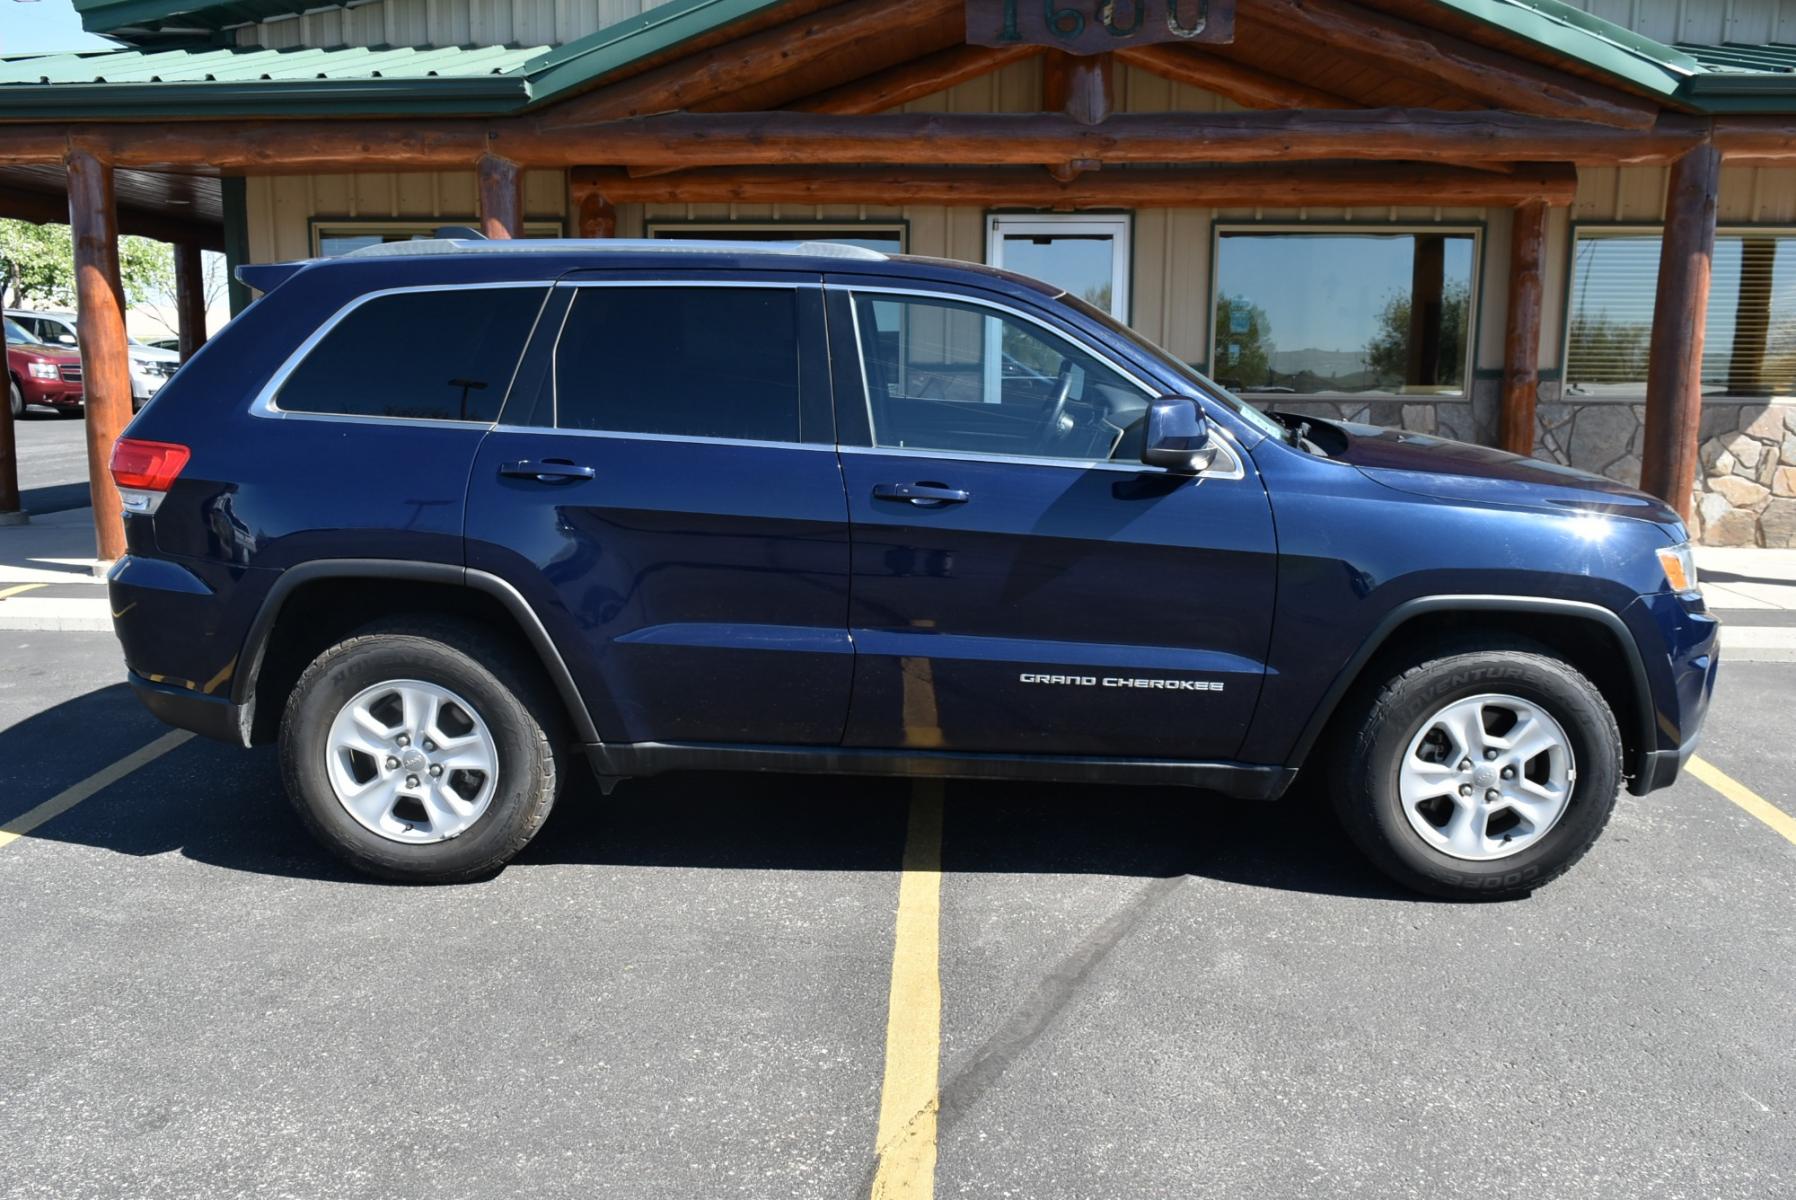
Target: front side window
957,376
696,361
1749,338
1349,312
435,356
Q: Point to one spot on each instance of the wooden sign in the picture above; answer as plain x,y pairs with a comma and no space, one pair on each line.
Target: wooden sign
1094,26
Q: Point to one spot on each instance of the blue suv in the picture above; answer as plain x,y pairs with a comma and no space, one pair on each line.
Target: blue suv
441,517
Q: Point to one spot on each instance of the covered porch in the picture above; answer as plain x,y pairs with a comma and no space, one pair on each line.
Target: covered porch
1273,106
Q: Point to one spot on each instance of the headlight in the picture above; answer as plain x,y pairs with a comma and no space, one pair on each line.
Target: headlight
42,370
1680,567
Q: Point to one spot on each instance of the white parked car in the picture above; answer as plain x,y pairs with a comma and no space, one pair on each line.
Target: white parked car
150,365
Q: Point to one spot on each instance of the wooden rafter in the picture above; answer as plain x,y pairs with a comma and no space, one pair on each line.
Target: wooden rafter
758,59
913,80
1245,85
1499,79
1350,184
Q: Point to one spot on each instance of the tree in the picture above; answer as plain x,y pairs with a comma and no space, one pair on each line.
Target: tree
1244,347
37,265
1388,351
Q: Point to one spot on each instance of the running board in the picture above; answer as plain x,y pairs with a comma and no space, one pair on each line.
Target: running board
1236,780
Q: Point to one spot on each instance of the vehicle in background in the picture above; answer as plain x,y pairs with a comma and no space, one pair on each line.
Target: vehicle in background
151,366
40,374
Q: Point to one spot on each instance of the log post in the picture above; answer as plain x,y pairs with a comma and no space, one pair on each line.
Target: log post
190,298
100,330
1521,337
1081,86
1674,360
501,197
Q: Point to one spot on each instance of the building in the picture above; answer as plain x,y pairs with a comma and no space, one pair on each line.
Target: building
1567,231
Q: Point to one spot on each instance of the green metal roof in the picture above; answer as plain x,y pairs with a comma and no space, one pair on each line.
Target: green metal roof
249,80
478,80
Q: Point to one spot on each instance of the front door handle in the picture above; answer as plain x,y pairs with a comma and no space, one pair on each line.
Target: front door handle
923,495
549,470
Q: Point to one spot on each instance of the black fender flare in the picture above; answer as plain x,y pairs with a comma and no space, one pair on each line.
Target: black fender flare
256,644
1535,605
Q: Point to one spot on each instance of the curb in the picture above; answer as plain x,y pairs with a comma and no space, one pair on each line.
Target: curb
31,614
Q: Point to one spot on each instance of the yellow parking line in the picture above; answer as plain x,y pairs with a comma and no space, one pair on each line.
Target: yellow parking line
68,798
18,588
908,1100
1745,797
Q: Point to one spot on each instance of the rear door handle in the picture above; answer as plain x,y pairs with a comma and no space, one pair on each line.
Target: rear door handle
923,495
549,470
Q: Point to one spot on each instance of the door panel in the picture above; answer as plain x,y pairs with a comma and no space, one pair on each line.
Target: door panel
1035,592
697,583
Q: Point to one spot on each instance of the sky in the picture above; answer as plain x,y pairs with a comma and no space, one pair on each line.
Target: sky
39,26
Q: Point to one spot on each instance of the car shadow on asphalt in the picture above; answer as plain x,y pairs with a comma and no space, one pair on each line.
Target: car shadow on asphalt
224,806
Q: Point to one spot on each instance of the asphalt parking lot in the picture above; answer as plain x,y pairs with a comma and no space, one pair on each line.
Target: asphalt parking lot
684,990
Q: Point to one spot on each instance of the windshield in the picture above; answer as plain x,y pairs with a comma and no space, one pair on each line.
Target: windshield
1204,383
16,335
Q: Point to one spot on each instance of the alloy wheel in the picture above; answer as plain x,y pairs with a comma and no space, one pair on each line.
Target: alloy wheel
412,761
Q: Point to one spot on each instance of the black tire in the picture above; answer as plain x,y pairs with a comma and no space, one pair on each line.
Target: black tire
18,399
501,685
1385,717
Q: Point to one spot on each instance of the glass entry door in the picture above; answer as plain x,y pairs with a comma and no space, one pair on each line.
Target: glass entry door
1088,256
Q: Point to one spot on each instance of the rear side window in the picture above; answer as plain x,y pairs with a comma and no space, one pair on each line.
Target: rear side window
689,361
434,356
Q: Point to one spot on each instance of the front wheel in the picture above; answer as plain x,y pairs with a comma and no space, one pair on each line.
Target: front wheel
18,400
1480,773
422,751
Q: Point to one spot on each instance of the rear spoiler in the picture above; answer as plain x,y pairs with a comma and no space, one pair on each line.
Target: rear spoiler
265,277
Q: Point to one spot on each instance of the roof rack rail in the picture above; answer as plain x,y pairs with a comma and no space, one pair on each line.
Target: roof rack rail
478,245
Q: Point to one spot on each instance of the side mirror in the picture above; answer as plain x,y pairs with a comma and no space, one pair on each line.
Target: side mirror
67,339
1178,436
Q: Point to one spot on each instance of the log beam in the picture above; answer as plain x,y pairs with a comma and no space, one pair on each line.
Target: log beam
100,331
501,193
1499,79
915,79
1680,308
817,139
1244,85
190,298
1351,184
1521,337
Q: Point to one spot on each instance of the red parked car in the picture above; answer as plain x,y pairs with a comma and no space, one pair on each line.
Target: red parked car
41,374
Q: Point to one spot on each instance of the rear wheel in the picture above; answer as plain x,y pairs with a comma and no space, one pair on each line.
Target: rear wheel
422,751
1479,773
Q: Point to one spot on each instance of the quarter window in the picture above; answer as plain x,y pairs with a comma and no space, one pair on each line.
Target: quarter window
949,375
434,356
682,361
1347,312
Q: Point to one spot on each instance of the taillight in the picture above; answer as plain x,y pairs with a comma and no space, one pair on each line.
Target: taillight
144,471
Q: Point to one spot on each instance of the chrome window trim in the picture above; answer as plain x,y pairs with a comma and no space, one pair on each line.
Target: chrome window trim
567,314
1218,437
687,438
264,404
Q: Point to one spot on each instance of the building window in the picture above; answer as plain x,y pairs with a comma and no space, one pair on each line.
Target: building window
332,238
1086,255
885,237
1749,339
1361,311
